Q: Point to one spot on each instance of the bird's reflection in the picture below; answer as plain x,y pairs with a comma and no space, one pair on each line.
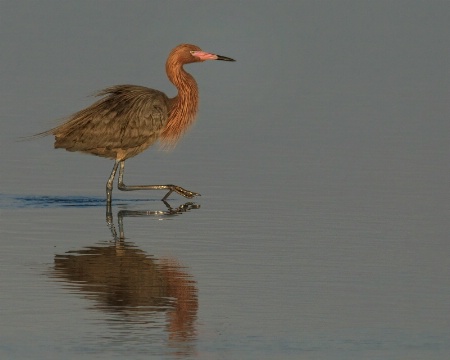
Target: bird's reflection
170,211
134,287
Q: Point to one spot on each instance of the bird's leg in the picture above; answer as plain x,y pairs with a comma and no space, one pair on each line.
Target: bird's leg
178,189
109,184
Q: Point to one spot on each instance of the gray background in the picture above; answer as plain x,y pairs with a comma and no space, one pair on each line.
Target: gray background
321,156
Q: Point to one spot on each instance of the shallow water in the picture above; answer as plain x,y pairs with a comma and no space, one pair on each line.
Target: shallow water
248,279
322,160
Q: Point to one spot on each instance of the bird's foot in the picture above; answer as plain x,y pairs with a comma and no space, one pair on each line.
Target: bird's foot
179,190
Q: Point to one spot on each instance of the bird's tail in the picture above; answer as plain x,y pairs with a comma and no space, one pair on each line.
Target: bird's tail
36,136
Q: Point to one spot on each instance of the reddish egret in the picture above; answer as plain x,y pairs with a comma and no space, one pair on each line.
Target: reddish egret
129,118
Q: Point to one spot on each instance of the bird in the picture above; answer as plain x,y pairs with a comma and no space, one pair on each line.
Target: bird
128,119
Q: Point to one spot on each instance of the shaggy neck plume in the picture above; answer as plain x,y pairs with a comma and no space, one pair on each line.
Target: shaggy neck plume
184,106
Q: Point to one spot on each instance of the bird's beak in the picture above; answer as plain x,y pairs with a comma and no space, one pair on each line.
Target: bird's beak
224,58
202,55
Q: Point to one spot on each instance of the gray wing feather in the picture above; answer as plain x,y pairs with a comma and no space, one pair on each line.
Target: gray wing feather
126,117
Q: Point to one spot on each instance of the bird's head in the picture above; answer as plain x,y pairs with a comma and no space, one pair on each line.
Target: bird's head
187,53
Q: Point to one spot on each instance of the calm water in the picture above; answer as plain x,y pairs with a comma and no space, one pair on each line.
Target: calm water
322,160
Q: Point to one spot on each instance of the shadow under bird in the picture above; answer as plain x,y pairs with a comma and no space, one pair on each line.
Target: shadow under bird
129,118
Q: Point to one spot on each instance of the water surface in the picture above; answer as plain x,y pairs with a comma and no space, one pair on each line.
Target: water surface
322,160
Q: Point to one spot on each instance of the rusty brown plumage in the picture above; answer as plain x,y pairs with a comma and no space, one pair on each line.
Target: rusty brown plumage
125,122
184,106
129,118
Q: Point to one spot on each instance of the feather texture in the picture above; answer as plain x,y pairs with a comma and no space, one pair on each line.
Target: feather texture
129,118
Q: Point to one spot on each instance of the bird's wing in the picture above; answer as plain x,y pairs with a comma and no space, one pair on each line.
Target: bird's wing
127,116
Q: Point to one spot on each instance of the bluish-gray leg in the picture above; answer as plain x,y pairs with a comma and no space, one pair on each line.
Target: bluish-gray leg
109,184
178,189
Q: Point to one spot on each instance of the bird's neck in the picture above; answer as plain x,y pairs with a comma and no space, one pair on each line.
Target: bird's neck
183,107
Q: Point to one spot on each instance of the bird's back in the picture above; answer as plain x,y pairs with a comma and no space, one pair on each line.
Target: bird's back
126,121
